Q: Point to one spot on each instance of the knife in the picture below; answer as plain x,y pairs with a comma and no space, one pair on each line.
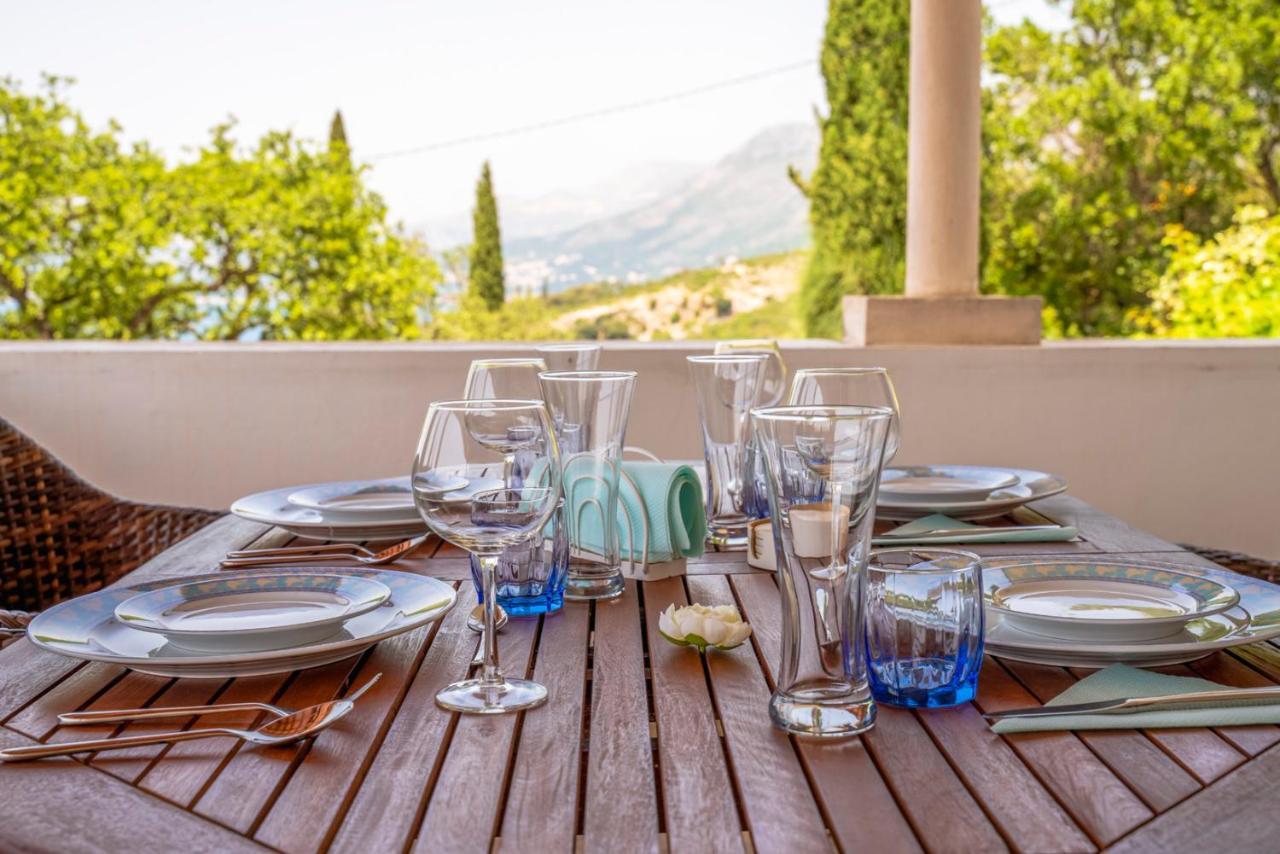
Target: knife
1128,705
961,532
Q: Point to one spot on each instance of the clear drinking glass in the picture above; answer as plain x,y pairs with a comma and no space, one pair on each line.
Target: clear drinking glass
849,387
590,410
773,388
469,442
504,379
530,574
570,356
728,386
823,468
924,626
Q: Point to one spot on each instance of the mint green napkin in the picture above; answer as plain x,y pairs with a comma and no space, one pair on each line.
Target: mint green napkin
670,493
981,533
1118,681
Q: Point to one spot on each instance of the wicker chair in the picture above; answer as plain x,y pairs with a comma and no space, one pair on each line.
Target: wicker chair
1267,570
60,537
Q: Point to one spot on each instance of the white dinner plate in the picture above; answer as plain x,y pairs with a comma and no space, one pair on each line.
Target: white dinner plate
250,611
1031,486
942,484
86,628
273,507
358,501
1255,618
1101,601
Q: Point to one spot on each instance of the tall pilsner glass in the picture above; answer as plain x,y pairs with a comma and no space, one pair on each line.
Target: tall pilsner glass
590,411
728,386
822,464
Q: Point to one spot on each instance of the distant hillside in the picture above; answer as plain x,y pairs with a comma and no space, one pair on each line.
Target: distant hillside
741,299
743,206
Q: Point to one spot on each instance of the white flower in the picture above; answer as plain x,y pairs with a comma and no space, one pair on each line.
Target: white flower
701,626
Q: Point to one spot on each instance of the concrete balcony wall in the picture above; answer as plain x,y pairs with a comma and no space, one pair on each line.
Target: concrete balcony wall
1182,439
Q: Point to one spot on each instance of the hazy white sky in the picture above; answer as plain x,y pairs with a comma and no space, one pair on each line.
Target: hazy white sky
413,73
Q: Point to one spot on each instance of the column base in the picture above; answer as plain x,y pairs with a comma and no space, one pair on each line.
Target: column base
896,320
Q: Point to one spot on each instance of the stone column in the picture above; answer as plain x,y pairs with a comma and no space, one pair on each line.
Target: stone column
944,154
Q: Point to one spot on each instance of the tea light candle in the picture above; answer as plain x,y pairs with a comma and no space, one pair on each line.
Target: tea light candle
811,529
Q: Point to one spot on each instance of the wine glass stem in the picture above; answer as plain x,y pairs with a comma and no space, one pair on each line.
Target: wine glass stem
490,675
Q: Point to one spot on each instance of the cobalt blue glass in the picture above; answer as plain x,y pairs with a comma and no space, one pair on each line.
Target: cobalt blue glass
531,575
924,626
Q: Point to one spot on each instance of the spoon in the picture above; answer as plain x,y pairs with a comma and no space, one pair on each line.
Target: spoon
290,728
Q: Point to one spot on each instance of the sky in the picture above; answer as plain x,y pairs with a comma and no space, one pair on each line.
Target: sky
414,74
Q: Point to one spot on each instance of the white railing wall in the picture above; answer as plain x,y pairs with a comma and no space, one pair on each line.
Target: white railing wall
1182,439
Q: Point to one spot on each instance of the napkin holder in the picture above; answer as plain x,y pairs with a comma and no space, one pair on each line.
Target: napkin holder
645,569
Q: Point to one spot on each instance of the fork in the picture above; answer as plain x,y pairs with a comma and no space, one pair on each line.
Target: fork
308,554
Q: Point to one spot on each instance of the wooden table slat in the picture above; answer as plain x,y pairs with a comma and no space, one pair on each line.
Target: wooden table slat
1148,770
1095,797
542,796
697,789
620,804
773,791
300,817
386,809
843,771
466,803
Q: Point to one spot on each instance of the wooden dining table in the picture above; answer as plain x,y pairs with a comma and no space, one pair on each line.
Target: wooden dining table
642,746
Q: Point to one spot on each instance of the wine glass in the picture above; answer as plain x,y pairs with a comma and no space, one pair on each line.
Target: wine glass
468,491
504,379
850,387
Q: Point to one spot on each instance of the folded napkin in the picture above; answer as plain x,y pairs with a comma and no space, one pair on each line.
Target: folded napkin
981,533
1119,681
670,494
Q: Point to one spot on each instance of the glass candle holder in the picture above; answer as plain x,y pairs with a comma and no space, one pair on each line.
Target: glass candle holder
924,626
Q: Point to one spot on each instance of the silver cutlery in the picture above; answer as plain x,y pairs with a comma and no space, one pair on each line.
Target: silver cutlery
1129,705
299,725
964,532
116,715
311,554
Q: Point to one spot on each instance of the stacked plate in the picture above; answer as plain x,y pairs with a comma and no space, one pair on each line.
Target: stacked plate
1102,611
355,509
961,492
242,624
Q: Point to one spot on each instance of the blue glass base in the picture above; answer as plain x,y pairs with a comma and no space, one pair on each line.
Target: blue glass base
922,683
529,606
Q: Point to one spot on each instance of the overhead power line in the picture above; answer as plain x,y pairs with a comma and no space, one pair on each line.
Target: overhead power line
594,114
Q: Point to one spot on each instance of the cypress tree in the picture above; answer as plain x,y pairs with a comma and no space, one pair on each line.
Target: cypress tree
858,193
338,140
487,280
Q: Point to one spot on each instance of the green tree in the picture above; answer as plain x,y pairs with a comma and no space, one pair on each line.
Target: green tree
857,194
83,223
287,243
1227,286
102,241
337,130
487,279
1143,114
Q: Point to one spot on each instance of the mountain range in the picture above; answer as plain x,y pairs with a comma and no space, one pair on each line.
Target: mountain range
653,219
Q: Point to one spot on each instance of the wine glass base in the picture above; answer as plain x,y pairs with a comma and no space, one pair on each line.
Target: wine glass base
473,697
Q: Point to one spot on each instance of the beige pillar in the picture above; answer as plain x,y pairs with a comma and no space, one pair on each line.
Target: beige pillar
944,148
944,155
